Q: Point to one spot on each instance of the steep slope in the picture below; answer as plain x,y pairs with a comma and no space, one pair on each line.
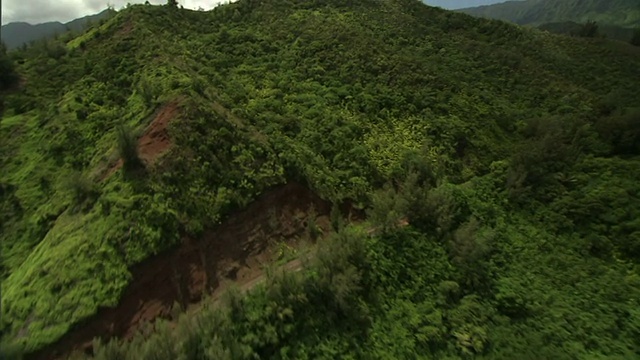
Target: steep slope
623,13
522,141
20,33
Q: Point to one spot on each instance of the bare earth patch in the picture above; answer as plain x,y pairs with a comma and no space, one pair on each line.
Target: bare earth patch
154,142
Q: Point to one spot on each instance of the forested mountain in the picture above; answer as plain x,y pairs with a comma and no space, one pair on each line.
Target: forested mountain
468,187
20,33
622,13
576,29
458,4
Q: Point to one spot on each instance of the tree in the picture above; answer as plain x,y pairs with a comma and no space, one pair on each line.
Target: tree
128,149
172,3
635,40
82,190
6,65
388,208
337,221
147,92
589,29
7,73
470,250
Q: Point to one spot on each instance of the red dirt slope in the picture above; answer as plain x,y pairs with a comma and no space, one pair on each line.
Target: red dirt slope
155,140
234,251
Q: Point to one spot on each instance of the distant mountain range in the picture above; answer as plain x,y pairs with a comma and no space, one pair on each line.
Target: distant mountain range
616,19
459,4
622,13
18,33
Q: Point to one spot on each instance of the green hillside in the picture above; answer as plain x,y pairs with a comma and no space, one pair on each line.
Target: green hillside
513,154
575,29
623,13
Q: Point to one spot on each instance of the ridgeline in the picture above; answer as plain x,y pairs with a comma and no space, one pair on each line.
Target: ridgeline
622,13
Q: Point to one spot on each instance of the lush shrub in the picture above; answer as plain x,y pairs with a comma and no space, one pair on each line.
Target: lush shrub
128,148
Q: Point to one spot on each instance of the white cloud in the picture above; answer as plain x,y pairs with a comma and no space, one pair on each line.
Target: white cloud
39,11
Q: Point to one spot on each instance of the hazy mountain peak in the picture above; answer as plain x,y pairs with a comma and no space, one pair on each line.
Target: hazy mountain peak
16,34
625,13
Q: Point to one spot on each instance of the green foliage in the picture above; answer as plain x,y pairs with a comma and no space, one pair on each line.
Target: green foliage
82,190
336,217
391,296
128,148
470,250
621,130
147,92
313,230
635,39
511,154
604,30
589,30
387,208
8,75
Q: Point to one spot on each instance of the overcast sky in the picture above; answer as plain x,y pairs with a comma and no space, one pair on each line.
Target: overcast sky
39,11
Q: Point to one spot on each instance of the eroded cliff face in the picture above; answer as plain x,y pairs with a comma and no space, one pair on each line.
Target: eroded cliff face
232,253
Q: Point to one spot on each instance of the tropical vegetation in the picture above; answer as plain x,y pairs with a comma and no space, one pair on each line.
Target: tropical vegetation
512,154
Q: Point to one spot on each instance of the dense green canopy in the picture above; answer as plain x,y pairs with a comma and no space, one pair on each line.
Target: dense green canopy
513,153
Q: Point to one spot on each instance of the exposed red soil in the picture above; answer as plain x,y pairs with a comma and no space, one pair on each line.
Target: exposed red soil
154,141
232,252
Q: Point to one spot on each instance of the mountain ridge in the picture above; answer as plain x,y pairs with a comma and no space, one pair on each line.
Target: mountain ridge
459,4
17,34
624,13
510,151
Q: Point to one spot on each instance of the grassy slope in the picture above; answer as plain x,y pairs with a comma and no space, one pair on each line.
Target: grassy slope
335,95
624,13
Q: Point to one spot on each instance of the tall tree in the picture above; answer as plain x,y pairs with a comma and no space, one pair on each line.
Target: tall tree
635,39
589,29
8,75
